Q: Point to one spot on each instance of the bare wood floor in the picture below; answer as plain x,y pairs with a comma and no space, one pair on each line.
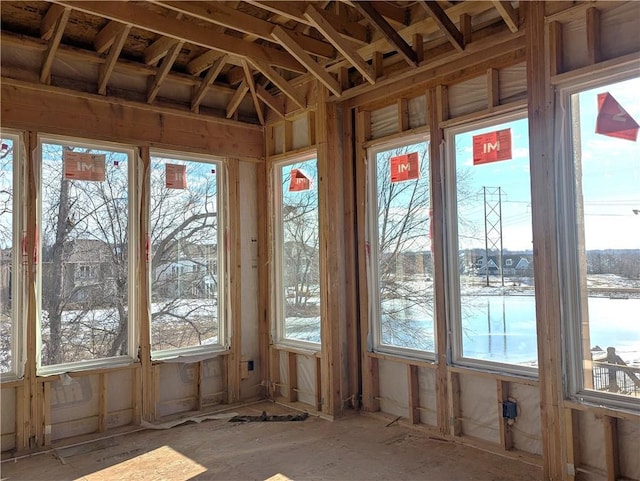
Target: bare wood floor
357,447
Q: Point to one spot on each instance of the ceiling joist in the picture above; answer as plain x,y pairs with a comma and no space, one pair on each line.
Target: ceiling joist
508,13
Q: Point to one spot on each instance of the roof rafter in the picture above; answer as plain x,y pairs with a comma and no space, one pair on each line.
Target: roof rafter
444,22
237,97
224,16
285,87
163,71
213,72
368,11
274,103
323,25
158,49
305,59
131,13
112,59
50,20
106,36
508,14
252,89
54,43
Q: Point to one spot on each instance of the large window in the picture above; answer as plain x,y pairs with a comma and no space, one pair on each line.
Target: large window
603,252
491,289
9,261
85,256
401,266
297,251
187,277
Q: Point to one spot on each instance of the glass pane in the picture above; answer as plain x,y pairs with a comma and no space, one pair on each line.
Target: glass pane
495,257
6,255
184,254
300,251
404,260
607,167
85,253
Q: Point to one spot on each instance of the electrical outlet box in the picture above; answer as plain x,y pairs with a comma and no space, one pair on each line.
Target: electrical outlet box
509,410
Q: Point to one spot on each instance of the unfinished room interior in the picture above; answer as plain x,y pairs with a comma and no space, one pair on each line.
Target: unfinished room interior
320,240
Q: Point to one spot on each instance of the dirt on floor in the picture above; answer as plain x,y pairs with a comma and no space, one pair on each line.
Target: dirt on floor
355,447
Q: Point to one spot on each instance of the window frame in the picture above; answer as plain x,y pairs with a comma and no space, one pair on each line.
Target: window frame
18,329
374,338
569,263
134,211
278,327
223,305
452,277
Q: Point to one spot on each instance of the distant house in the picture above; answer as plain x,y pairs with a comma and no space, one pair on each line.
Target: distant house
187,270
512,265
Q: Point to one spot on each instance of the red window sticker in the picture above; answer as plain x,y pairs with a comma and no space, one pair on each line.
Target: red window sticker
83,166
175,176
405,167
492,147
613,120
299,181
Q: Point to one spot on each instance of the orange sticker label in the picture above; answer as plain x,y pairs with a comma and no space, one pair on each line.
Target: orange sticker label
492,147
405,167
299,181
176,176
83,166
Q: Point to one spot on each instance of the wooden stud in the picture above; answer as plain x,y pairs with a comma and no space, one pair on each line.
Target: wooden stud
555,48
418,46
436,108
199,379
506,435
466,28
264,326
455,407
102,402
311,127
46,413
288,136
413,382
235,280
274,375
370,373
332,270
403,115
593,35
343,78
572,431
378,64
493,88
611,451
543,196
136,391
292,370
318,370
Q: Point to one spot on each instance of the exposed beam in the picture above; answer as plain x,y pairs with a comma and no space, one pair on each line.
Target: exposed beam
213,72
163,71
508,14
106,36
54,43
391,34
112,59
252,89
234,103
204,62
158,49
400,15
135,14
305,59
50,20
324,26
285,87
296,11
274,103
444,22
227,17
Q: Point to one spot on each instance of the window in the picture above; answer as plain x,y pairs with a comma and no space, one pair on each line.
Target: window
491,287
185,255
9,261
602,255
85,260
401,265
297,251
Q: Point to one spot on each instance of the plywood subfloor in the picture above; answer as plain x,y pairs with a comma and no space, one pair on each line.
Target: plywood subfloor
357,447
